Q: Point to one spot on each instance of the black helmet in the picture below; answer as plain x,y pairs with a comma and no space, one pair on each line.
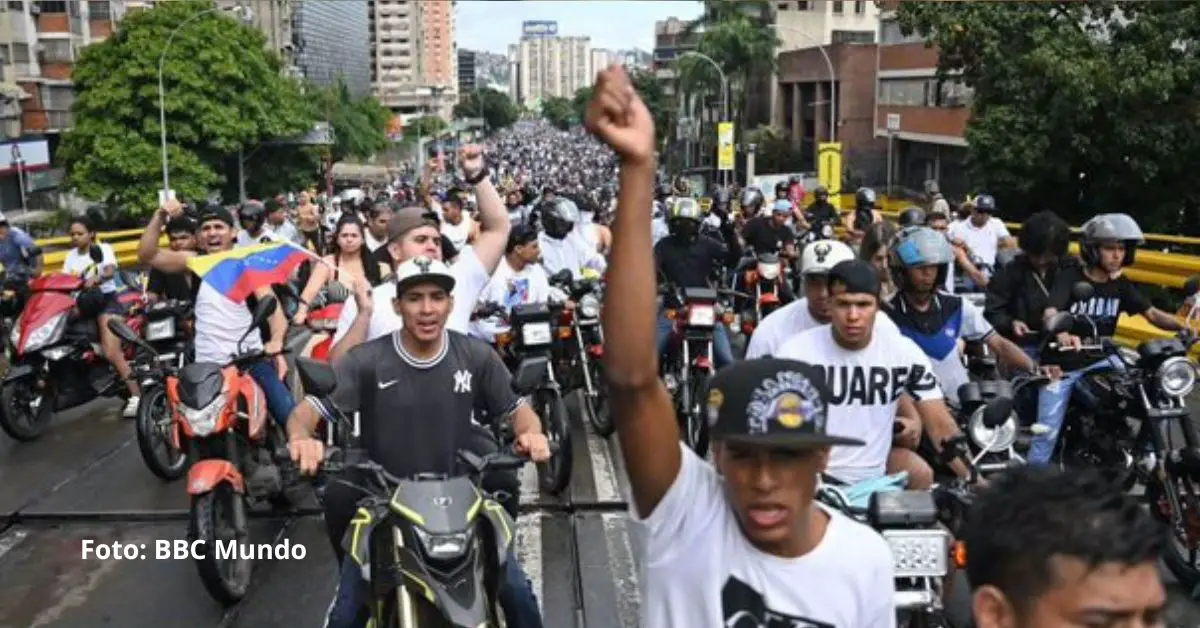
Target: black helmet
985,203
664,192
558,217
911,217
1109,228
821,192
865,198
781,189
252,215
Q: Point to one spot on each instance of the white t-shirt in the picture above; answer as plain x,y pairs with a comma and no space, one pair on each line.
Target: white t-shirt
968,324
245,239
511,288
373,243
82,265
790,320
701,571
220,323
470,277
457,234
982,241
572,252
865,386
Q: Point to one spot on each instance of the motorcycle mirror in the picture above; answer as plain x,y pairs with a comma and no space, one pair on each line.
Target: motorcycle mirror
997,411
1191,286
123,331
1060,322
1082,291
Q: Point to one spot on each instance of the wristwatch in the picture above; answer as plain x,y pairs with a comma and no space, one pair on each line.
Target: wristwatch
477,179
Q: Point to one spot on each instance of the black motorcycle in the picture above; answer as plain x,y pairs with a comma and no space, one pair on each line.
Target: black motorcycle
166,349
432,548
579,362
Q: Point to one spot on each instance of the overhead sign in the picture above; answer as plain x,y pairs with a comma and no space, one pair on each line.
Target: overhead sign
893,122
829,167
725,158
395,128
539,28
30,154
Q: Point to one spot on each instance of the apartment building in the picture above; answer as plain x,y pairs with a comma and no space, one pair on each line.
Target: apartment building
412,54
552,67
926,119
671,39
600,59
467,77
333,41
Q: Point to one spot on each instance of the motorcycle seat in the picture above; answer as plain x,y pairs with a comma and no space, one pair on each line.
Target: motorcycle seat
316,377
700,294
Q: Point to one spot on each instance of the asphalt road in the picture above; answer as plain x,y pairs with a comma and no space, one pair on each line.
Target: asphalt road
85,481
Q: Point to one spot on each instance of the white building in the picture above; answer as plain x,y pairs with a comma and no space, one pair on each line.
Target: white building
414,64
809,23
551,66
601,58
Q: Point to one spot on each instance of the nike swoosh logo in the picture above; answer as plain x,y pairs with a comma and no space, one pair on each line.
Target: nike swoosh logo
384,385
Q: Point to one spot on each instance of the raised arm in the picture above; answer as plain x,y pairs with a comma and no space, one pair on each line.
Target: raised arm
151,254
645,418
493,216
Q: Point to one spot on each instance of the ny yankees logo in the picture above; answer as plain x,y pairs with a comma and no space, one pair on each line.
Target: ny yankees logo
462,381
822,250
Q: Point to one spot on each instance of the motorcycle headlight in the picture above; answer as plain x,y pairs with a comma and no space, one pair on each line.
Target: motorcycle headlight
444,546
49,332
589,307
768,271
1176,377
55,354
535,334
702,316
204,421
163,329
919,553
997,438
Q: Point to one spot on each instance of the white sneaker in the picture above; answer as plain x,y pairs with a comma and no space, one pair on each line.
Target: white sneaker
131,408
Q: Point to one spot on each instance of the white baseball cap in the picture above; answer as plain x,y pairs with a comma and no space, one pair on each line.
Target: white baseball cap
821,256
421,269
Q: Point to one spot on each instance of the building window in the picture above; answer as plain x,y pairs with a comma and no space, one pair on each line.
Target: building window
20,53
99,10
860,7
57,97
51,6
852,37
16,5
803,5
839,6
55,51
905,92
890,33
783,6
953,94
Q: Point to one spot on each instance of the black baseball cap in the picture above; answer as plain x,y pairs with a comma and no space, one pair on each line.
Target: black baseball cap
771,402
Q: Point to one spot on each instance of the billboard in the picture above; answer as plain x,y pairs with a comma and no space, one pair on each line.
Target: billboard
539,29
31,154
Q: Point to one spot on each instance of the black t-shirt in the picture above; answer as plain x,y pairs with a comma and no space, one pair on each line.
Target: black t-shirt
764,236
415,415
1106,304
688,265
178,286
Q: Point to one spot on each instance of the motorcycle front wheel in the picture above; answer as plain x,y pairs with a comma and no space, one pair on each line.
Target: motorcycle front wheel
1181,556
596,404
695,425
154,436
24,414
555,474
212,521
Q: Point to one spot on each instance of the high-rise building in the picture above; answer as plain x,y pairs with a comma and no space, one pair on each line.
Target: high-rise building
601,59
413,55
333,41
467,77
550,65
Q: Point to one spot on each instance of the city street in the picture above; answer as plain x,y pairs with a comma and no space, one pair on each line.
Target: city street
86,481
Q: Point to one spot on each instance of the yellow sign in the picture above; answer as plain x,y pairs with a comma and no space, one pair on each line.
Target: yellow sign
725,146
829,168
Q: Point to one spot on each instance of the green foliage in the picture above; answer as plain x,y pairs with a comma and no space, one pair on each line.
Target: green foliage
773,150
425,126
359,124
223,91
1079,107
738,37
496,108
648,87
580,101
558,111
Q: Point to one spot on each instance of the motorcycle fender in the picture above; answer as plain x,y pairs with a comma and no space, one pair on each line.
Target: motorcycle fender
255,403
530,374
465,605
356,541
18,371
205,475
502,529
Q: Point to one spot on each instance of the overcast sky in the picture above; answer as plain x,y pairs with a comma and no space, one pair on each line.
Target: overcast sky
492,25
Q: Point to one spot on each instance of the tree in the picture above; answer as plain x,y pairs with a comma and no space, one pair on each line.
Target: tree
739,38
558,111
1079,107
223,92
496,108
579,102
359,123
651,91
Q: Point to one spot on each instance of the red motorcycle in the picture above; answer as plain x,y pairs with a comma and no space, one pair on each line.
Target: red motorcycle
323,322
57,363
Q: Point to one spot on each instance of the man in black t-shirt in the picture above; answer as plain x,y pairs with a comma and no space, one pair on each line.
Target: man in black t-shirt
1107,244
181,232
416,390
771,234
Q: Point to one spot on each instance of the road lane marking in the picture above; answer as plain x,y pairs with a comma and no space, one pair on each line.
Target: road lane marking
529,553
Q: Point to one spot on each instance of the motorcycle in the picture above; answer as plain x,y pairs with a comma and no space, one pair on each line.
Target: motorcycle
580,364
688,365
240,458
432,548
1151,387
318,379
762,283
529,347
1000,442
164,350
14,290
324,312
57,362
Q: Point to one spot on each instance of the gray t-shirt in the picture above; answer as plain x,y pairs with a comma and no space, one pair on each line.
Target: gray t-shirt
416,414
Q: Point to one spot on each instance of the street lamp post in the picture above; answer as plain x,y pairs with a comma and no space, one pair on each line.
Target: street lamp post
832,77
162,108
724,89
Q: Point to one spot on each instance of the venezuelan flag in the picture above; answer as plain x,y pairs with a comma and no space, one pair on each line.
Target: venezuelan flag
239,272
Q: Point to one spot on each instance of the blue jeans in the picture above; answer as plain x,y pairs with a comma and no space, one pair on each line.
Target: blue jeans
722,350
279,399
1053,401
515,596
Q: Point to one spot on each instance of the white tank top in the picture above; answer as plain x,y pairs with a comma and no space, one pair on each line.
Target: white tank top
219,324
457,234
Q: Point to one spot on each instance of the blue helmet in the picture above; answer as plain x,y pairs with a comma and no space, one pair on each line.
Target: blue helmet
919,246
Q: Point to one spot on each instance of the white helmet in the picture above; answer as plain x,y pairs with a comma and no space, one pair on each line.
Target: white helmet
821,256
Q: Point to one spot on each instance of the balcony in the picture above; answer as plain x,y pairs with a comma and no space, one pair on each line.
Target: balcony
53,23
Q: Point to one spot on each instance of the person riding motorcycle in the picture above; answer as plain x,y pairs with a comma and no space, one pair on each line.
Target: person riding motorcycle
1020,291
252,216
562,246
919,260
750,203
821,213
865,214
687,259
983,233
19,254
1107,244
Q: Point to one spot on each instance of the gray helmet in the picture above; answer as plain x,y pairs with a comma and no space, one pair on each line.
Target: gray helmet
919,246
751,198
1109,228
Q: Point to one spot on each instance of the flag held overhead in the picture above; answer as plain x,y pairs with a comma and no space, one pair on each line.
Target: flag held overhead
239,272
